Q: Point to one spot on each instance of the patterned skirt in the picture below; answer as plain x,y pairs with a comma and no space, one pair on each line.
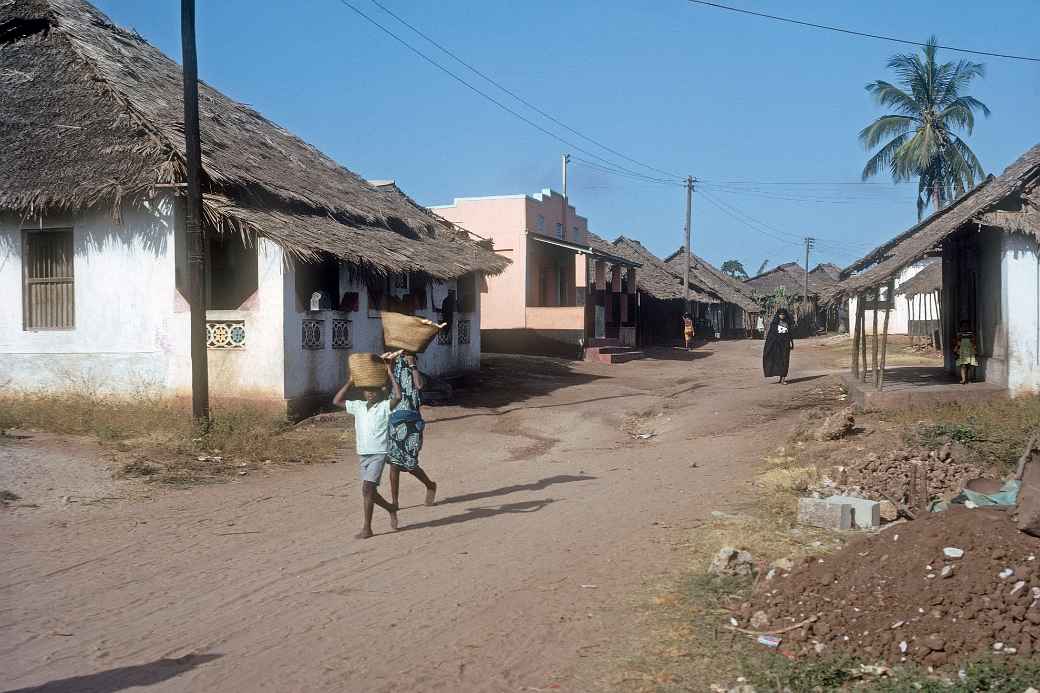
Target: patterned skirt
405,439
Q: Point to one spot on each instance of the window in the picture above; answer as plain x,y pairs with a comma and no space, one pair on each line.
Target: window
577,234
317,277
541,223
232,278
559,231
48,295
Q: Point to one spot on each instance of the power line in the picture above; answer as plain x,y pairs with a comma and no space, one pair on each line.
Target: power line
771,231
519,98
479,91
624,174
857,33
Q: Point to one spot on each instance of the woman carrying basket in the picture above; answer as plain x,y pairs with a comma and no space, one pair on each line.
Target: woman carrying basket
406,429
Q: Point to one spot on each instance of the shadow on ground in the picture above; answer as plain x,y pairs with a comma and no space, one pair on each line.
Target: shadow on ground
481,513
123,677
674,354
539,485
511,378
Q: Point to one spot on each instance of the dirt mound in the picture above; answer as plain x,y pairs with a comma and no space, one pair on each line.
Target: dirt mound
895,596
938,476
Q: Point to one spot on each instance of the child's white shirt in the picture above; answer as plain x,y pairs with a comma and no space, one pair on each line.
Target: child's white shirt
371,425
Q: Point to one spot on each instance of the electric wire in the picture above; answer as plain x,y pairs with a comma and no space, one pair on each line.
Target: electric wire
479,91
519,98
858,33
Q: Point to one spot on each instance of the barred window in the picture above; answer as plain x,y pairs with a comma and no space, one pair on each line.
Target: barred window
48,293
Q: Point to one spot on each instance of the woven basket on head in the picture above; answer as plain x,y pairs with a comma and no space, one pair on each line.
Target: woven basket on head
408,332
367,370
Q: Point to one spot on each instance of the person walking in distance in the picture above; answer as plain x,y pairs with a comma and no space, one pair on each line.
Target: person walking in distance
776,355
687,330
406,429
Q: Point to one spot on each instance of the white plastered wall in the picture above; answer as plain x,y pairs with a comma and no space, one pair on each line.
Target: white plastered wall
1021,295
131,324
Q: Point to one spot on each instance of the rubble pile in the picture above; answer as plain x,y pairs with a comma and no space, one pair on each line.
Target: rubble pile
938,475
936,591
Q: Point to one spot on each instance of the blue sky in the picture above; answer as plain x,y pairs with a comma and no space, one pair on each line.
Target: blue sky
685,88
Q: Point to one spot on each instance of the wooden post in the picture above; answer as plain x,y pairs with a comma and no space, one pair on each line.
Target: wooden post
864,368
884,352
857,335
941,320
910,319
193,220
874,355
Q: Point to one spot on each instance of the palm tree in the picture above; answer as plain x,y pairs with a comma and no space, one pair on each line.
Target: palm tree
921,135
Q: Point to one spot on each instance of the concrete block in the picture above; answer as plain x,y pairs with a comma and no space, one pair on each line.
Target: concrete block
866,514
818,512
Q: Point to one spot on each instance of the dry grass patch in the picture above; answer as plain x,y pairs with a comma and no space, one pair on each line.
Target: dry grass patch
153,438
995,430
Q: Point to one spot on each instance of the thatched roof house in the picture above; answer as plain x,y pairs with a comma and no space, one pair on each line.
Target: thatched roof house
96,121
1010,202
654,277
791,278
301,255
826,273
927,281
703,273
989,242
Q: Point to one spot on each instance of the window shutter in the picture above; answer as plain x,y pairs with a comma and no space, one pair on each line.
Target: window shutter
49,280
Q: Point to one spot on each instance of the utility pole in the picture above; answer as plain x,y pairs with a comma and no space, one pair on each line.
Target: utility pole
564,160
809,241
686,243
193,220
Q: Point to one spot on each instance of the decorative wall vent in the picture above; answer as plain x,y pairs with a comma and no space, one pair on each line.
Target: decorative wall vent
312,334
464,326
226,334
444,336
341,334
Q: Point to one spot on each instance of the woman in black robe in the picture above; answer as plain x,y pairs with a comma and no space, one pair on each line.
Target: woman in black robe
776,357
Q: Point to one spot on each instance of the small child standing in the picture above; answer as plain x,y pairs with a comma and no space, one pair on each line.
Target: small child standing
966,348
371,425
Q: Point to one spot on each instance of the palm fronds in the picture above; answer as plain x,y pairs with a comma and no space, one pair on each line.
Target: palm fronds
919,139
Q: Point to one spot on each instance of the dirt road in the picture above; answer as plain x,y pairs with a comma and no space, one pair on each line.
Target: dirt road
552,513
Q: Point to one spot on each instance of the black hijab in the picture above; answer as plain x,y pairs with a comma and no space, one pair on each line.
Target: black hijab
776,356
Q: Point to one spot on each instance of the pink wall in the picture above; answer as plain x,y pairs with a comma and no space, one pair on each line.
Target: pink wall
548,205
502,220
507,220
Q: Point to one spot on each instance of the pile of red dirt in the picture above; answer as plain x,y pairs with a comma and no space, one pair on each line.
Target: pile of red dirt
890,476
897,596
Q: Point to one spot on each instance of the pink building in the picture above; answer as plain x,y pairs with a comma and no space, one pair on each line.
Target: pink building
542,302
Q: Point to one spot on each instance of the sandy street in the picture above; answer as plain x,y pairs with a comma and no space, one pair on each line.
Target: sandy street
552,513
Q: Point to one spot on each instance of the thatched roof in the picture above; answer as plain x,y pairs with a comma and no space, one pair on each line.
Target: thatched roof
1010,201
714,280
826,273
791,277
926,281
655,278
94,118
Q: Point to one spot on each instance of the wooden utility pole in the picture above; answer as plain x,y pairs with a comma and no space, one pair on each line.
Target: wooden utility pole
805,292
686,243
193,219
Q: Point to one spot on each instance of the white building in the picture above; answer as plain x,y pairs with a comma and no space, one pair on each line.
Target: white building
989,242
301,253
900,316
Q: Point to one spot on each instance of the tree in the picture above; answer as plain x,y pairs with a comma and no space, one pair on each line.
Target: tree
920,138
735,269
